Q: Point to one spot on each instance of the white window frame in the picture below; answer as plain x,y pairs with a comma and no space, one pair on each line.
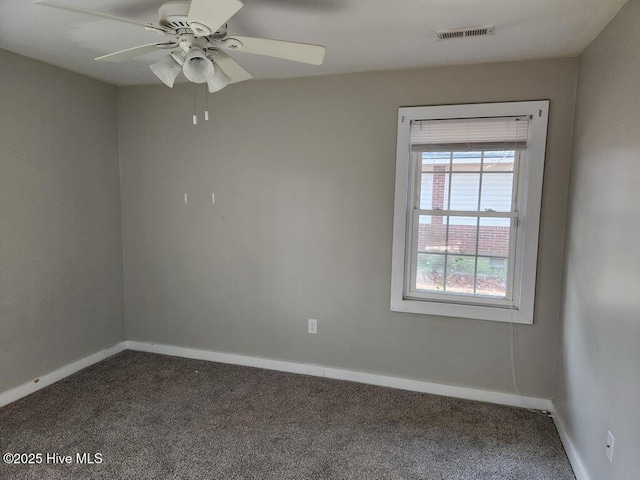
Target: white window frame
529,189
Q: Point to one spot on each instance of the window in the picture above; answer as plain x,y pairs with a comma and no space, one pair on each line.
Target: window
467,210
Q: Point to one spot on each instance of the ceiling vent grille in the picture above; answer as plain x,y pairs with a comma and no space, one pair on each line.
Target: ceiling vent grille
465,32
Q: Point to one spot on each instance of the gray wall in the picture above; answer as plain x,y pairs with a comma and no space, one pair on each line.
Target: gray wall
303,172
60,229
598,383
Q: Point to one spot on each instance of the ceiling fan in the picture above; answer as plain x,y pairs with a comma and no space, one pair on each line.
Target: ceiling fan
200,41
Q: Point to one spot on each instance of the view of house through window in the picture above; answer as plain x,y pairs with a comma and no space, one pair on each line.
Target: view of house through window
465,254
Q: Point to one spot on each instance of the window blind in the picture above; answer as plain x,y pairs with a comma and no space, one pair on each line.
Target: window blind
475,134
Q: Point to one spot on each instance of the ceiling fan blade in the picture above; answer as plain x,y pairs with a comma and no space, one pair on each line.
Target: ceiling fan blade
134,52
71,8
297,52
206,16
233,69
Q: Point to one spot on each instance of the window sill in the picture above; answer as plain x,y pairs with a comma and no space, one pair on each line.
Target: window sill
477,312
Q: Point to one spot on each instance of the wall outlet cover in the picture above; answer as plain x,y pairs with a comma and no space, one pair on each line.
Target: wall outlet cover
313,326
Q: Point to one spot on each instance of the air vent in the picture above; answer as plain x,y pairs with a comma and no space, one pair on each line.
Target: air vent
465,32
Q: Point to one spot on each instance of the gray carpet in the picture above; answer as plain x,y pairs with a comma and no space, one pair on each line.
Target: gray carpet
160,417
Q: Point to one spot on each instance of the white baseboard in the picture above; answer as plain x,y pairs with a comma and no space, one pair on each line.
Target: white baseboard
69,369
291,367
579,470
350,375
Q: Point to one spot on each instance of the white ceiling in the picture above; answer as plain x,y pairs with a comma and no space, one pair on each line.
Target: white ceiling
360,35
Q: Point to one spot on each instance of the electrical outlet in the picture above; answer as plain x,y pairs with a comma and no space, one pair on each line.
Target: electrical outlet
610,442
313,326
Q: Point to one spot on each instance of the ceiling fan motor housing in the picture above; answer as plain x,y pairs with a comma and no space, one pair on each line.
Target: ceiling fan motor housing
174,15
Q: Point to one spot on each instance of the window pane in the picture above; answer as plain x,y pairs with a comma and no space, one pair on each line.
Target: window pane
492,276
497,191
465,189
499,161
460,274
436,161
493,237
440,190
467,161
432,233
426,191
463,232
430,272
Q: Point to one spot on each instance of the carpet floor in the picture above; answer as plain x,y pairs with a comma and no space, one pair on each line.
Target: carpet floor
158,417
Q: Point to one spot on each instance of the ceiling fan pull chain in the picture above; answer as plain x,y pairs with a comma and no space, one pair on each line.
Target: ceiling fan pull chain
195,116
206,103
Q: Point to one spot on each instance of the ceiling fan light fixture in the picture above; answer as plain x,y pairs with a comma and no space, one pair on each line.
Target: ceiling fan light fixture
197,67
167,70
219,79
